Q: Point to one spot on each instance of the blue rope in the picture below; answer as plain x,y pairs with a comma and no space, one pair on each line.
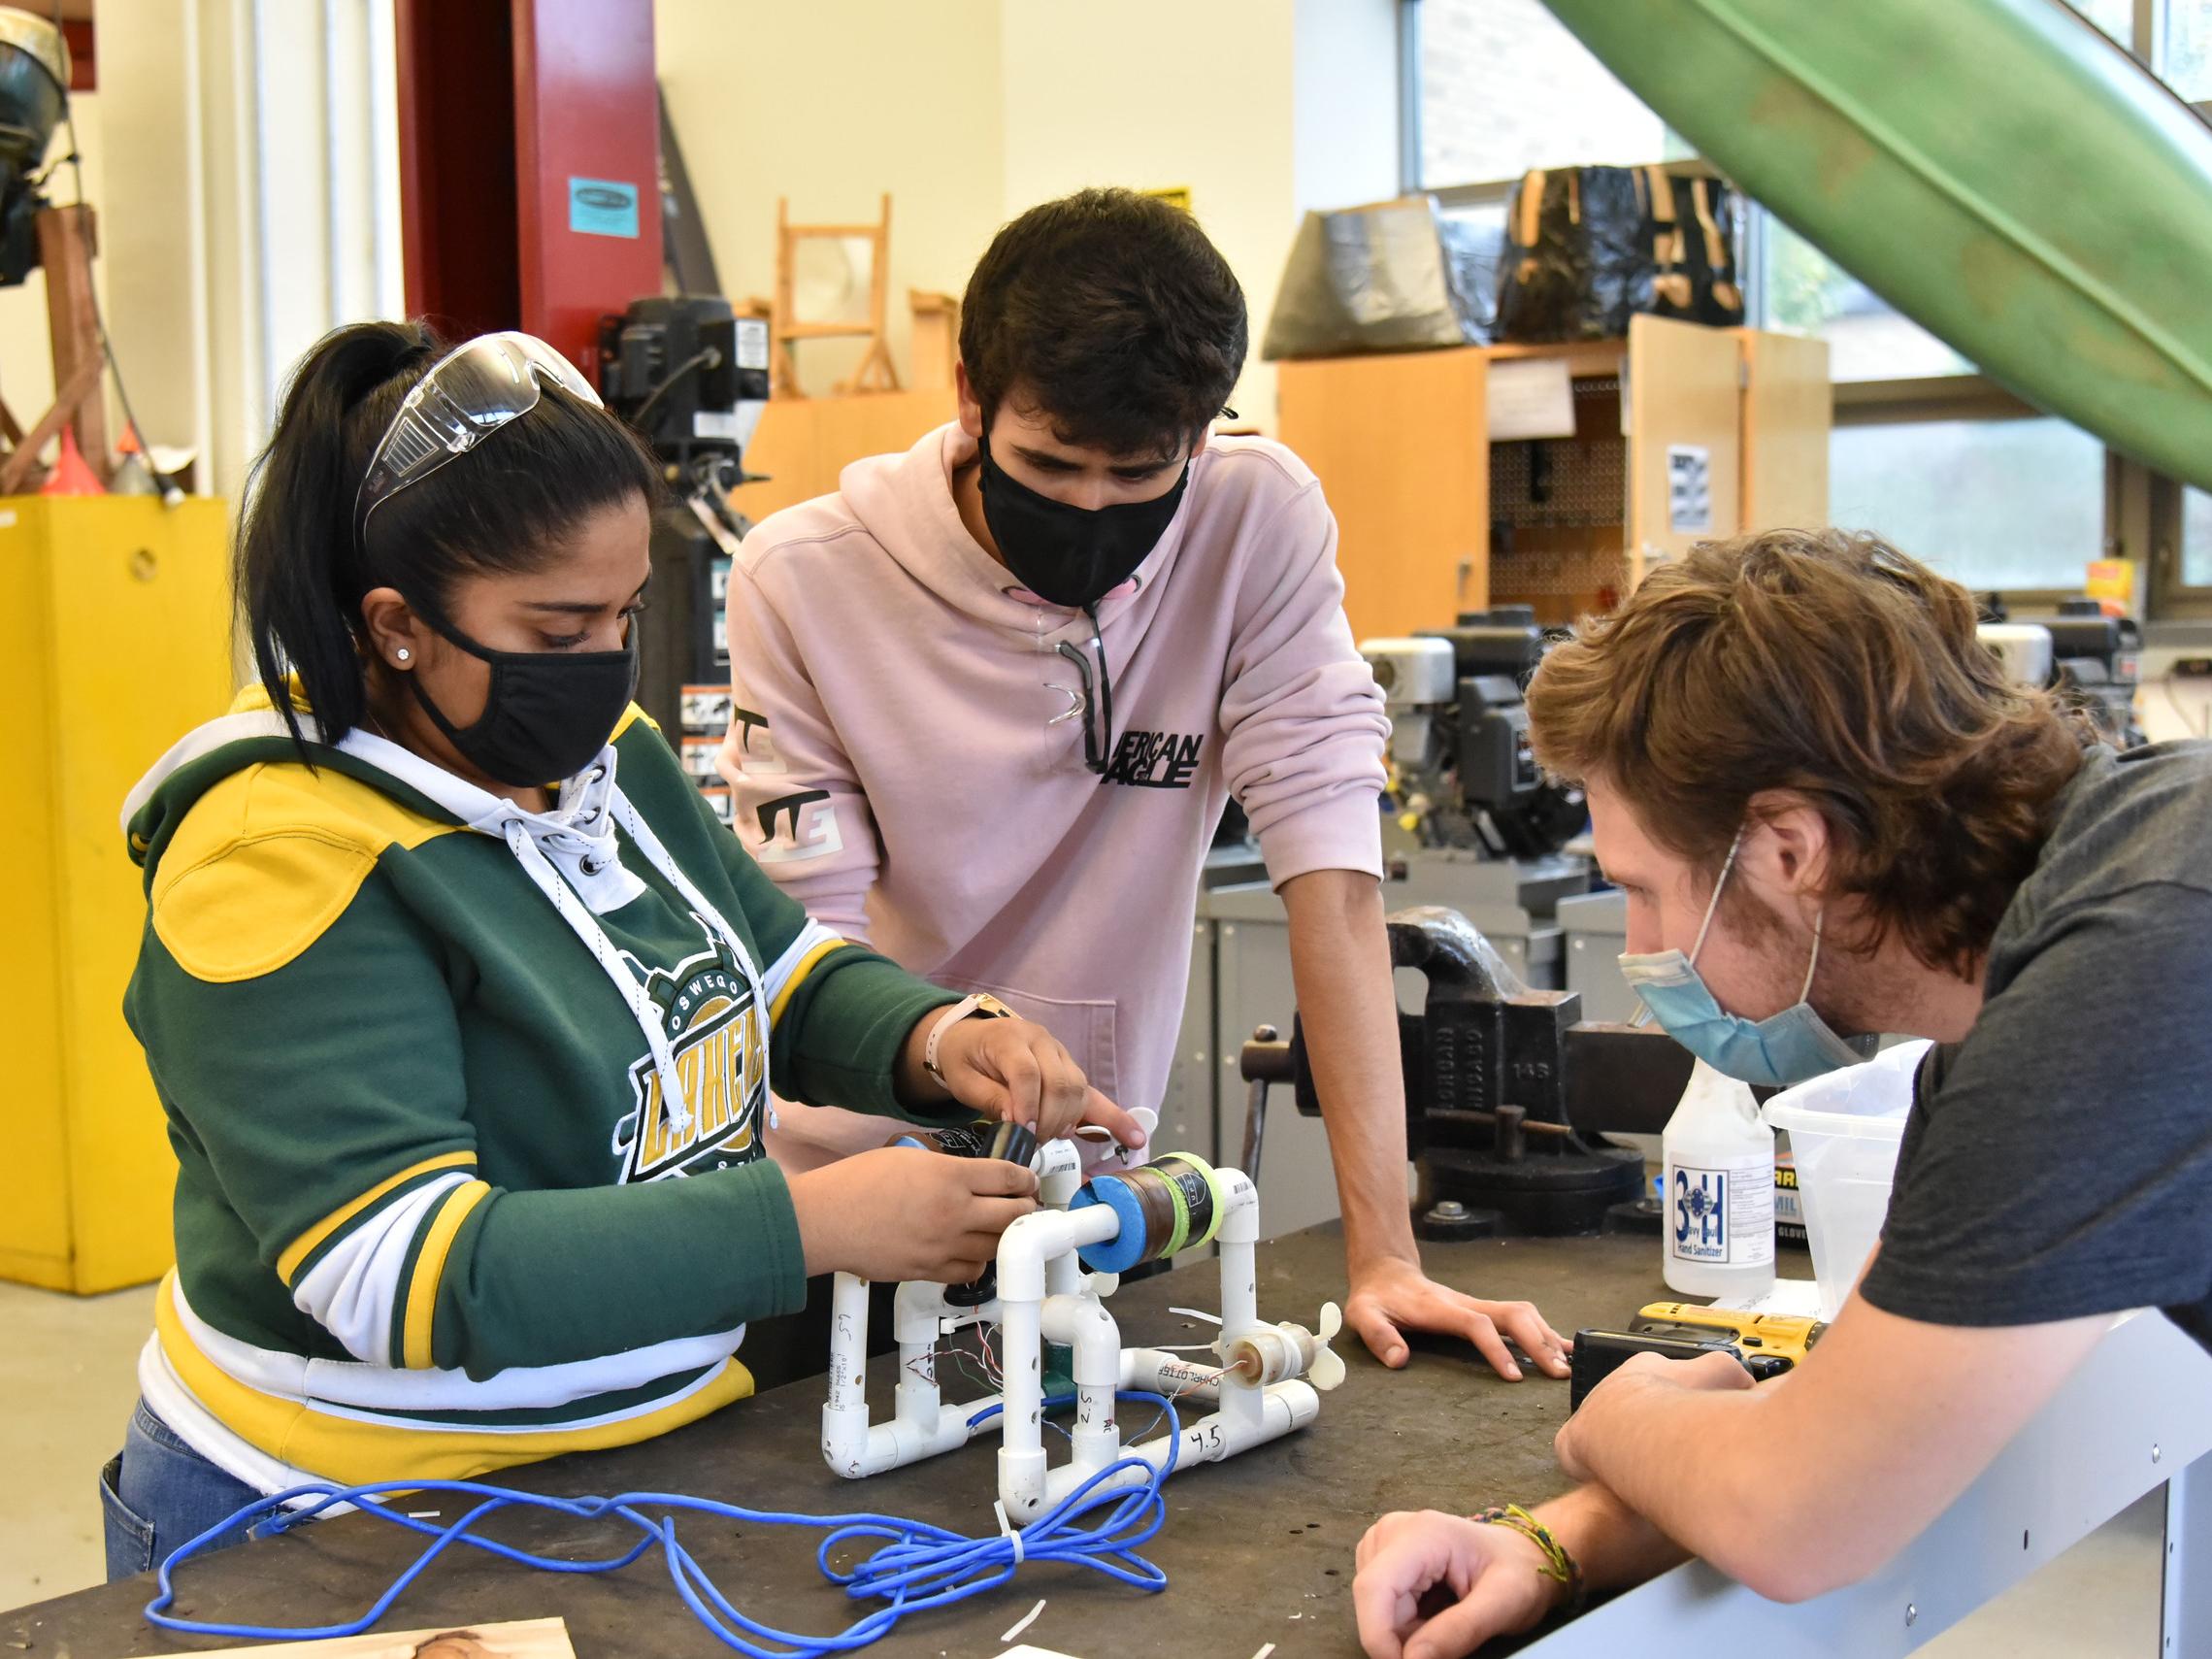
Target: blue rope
914,1567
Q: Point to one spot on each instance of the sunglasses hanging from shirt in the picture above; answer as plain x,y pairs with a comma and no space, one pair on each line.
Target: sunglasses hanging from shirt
1095,703
1075,556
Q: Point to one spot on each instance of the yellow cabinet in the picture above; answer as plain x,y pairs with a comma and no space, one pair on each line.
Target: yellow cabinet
114,639
1680,433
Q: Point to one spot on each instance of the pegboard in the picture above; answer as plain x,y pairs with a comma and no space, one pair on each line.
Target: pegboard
1559,511
1566,483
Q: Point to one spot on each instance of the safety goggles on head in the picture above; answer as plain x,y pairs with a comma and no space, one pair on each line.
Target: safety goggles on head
469,394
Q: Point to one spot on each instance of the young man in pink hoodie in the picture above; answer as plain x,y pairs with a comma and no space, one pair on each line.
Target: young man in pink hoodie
993,695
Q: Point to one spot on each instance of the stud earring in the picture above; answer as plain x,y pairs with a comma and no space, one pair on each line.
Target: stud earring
405,653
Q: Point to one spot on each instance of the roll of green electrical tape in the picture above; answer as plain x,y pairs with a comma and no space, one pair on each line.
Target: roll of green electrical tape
1998,170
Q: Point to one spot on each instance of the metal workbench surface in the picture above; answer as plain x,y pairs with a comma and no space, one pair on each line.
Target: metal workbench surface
1256,1550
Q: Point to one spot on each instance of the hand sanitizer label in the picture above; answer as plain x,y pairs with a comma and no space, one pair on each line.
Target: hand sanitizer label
1723,1214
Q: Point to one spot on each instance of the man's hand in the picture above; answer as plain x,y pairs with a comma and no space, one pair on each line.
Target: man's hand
1015,1071
1493,1574
1713,1373
1883,1425
1388,1292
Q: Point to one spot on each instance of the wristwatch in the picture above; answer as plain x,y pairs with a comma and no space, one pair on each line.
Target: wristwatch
981,1004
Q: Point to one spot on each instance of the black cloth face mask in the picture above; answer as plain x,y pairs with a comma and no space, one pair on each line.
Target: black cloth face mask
546,714
1072,556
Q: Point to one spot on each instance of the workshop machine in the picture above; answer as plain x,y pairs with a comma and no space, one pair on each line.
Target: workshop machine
34,88
2091,659
1470,821
692,377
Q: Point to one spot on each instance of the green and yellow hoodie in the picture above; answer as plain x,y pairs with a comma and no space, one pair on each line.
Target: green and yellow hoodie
466,1102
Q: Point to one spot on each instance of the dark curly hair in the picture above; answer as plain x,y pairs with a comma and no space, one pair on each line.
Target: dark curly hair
1110,314
1828,665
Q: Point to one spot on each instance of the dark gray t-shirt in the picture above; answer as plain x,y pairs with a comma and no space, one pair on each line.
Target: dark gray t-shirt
2058,1163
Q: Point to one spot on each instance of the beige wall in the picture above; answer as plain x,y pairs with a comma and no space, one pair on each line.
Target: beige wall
252,192
1168,93
970,110
831,103
1344,103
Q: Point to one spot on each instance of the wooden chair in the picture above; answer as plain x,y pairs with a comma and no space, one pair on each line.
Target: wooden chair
875,370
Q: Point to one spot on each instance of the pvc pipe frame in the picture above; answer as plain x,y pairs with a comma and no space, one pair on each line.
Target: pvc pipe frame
923,1424
1044,1295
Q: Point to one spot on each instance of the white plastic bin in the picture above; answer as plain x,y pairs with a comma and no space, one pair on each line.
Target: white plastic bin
1844,1131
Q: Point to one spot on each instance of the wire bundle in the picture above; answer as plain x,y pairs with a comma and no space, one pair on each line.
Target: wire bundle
916,1566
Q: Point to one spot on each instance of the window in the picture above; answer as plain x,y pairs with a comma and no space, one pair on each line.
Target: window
1504,87
2116,18
1994,504
1809,293
2185,49
2196,539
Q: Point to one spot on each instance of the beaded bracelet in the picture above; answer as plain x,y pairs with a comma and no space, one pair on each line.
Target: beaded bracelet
1558,1564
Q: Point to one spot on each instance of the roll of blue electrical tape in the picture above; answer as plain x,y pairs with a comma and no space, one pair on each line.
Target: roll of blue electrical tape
1126,1248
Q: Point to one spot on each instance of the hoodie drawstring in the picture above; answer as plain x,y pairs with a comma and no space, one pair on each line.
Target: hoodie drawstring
586,926
603,800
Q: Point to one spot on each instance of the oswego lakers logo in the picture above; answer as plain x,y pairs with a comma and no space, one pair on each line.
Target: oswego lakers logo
720,1039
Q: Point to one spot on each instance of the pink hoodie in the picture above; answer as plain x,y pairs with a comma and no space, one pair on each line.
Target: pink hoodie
898,770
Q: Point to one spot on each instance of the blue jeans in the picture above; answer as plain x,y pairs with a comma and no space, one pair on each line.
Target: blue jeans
158,1494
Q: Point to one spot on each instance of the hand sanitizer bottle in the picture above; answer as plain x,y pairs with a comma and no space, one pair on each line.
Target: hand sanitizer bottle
1717,1226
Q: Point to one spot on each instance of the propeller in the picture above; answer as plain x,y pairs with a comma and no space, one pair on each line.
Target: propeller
1323,1369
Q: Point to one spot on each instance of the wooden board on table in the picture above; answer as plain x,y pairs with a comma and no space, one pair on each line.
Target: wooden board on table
526,1639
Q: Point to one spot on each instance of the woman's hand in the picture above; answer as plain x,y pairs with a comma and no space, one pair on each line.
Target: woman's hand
1490,1577
1017,1070
902,1212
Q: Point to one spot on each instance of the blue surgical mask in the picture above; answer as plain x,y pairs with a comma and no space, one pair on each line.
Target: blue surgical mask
1785,1049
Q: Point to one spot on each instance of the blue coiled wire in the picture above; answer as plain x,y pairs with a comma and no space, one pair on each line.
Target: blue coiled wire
917,1565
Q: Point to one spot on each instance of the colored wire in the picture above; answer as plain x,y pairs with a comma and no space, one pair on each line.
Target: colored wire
915,1567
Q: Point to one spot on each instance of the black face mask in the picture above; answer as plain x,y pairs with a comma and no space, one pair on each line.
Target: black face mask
547,714
1072,555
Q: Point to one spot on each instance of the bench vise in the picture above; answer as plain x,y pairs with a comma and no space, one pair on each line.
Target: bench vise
1508,1091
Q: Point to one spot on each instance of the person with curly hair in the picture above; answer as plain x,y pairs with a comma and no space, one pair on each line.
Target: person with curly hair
1832,814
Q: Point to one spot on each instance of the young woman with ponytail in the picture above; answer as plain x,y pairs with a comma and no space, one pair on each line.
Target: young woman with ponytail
463,1007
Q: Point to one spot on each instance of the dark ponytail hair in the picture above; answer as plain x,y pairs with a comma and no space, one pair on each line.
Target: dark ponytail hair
510,505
